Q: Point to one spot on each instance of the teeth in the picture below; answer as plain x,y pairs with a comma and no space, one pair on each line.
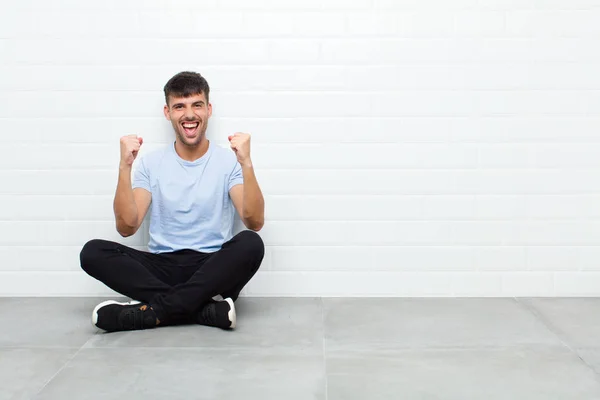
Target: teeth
190,125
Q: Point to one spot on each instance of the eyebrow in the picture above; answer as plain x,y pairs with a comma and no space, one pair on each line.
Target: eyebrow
181,104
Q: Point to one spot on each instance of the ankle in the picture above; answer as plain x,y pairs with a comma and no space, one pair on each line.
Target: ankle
148,307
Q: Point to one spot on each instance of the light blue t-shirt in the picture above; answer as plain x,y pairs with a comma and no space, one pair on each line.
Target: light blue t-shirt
190,206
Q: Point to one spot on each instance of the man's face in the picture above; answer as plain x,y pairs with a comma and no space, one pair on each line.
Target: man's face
189,117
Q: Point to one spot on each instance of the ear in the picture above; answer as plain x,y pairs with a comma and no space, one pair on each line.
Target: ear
166,111
209,110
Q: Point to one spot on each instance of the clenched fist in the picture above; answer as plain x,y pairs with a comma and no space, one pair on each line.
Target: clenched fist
240,144
130,146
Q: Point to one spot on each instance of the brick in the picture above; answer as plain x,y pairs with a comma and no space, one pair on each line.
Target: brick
344,207
545,258
527,284
500,258
61,233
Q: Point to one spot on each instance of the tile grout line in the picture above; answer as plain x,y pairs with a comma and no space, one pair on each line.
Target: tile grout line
546,324
556,333
64,365
324,351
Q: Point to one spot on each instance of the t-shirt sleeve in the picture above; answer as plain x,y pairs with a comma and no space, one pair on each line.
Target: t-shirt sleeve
236,177
141,178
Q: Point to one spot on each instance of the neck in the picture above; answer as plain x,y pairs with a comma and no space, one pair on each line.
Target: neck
190,153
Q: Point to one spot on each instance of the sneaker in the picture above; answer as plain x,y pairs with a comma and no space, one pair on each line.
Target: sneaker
220,314
113,316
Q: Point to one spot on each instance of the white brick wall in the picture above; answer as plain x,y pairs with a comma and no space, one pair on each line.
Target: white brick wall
405,148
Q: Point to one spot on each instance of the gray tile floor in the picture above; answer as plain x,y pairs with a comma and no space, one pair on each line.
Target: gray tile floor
310,348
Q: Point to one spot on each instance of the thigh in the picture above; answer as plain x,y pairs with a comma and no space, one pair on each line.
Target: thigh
125,260
236,262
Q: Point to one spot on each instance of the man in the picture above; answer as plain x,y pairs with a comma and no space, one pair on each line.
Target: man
195,268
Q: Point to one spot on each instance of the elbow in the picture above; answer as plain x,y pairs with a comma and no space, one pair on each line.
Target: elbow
124,233
125,230
255,225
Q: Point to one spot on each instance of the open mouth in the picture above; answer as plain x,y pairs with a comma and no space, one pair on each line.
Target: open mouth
190,128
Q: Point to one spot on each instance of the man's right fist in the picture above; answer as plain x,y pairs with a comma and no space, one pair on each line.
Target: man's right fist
130,146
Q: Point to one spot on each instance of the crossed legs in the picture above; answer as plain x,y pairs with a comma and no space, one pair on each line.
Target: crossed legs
176,286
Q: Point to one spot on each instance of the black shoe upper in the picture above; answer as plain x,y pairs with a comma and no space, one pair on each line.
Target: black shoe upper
117,317
215,314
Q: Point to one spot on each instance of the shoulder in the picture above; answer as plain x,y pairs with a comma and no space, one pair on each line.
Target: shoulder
152,157
155,154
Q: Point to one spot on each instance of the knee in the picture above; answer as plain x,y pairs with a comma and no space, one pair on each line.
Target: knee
91,254
252,243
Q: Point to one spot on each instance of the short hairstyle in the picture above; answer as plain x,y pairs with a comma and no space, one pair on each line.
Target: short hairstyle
185,84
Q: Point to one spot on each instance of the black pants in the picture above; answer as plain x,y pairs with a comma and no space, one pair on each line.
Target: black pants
176,284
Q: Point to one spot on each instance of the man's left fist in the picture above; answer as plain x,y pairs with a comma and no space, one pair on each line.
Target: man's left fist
240,144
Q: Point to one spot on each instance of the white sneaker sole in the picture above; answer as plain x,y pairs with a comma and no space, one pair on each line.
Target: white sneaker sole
231,314
105,303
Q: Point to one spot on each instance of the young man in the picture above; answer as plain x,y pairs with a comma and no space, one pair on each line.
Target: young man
195,268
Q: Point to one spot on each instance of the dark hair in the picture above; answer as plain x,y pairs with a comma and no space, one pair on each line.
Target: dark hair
185,84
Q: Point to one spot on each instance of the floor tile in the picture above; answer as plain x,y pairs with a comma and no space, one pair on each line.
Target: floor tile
548,373
23,372
373,323
591,356
575,320
291,324
48,322
141,373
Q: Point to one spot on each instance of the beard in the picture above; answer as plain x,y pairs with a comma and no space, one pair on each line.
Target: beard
187,141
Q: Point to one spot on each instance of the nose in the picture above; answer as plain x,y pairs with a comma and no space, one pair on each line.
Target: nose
189,113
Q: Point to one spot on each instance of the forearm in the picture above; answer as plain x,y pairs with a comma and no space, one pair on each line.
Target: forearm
254,203
125,209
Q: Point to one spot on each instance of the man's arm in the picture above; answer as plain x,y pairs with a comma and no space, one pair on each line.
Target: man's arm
130,205
247,198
